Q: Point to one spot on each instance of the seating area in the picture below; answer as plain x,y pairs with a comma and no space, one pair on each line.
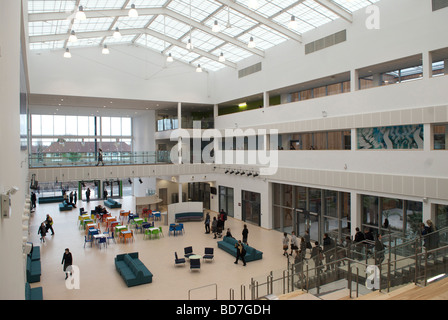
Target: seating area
50,199
111,203
33,266
189,216
228,244
64,206
33,293
132,270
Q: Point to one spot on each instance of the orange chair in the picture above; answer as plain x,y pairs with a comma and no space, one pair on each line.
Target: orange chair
129,235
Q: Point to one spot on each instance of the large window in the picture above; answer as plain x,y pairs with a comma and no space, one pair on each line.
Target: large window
440,135
393,137
76,139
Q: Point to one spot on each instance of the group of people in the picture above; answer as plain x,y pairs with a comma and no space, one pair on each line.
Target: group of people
44,227
70,199
217,227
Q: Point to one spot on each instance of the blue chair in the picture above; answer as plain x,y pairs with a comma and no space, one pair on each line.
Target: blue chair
157,216
188,251
86,240
208,254
102,241
195,264
177,229
172,228
110,235
178,260
181,225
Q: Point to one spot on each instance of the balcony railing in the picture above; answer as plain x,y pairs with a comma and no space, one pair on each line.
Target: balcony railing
79,159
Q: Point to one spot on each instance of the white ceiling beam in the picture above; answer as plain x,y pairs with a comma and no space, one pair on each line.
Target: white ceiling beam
143,12
330,5
261,19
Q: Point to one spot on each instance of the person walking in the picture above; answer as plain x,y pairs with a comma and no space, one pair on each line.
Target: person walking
294,243
214,227
379,249
67,260
328,251
42,231
308,239
240,252
100,157
316,254
285,242
207,223
49,224
245,233
33,200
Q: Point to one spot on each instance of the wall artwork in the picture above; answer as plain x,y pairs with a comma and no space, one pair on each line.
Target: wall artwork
393,137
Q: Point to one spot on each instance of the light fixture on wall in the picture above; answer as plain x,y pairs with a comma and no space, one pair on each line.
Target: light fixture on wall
133,13
117,34
67,53
105,50
72,37
169,58
251,43
216,27
199,69
80,15
222,58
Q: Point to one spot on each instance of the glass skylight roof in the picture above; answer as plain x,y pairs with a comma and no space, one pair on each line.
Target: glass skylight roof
169,25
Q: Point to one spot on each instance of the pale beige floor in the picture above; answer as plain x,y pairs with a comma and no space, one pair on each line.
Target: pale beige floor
100,280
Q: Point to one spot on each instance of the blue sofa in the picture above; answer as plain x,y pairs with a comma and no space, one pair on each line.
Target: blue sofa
110,203
132,270
33,270
189,216
228,244
35,252
33,293
64,206
50,199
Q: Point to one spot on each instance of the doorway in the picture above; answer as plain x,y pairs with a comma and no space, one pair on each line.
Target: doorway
251,207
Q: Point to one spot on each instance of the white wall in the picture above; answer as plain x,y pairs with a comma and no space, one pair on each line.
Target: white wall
128,72
407,27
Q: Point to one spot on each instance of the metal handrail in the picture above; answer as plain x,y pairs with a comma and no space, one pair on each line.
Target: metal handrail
209,285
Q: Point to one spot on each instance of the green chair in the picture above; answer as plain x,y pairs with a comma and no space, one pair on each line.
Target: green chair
147,233
155,233
161,232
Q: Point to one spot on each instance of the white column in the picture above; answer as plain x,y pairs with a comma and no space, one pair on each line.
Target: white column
180,192
12,263
215,111
427,65
265,99
179,139
429,138
354,82
355,212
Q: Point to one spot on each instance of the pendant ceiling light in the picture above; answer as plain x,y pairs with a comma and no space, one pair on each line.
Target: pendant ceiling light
67,53
189,45
117,34
222,58
133,12
216,27
72,37
251,43
199,69
80,15
169,58
105,50
293,24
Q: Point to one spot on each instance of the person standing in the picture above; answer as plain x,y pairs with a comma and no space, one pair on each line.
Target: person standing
75,197
67,260
49,224
245,233
328,251
285,243
88,194
207,222
240,252
294,243
215,227
379,250
308,239
222,218
33,200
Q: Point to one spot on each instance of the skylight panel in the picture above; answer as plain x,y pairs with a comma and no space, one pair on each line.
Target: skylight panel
35,6
170,27
85,42
182,54
232,53
204,41
354,5
146,4
132,23
48,45
152,42
38,28
209,64
234,22
93,24
302,25
102,4
200,9
123,39
322,10
263,37
269,9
